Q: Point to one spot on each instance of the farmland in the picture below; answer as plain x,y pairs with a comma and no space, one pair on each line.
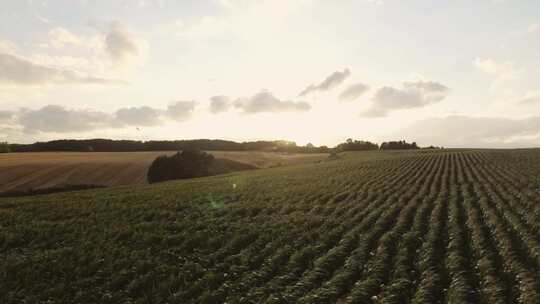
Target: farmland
449,226
23,171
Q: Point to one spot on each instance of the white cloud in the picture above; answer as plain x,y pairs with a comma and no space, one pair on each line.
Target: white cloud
59,119
83,64
59,37
429,87
491,66
138,116
42,19
532,97
15,70
503,71
219,104
6,117
412,95
7,47
354,91
262,102
111,50
265,101
332,81
467,131
54,118
181,110
123,48
533,28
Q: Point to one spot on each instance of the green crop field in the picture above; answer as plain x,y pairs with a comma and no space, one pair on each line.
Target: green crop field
455,226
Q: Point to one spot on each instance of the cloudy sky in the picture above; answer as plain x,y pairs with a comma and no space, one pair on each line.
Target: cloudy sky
454,73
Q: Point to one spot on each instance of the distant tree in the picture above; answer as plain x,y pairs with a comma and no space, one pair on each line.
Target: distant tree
399,145
310,146
4,147
108,145
185,164
356,145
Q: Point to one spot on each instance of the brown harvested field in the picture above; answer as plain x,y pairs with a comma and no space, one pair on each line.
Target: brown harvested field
24,171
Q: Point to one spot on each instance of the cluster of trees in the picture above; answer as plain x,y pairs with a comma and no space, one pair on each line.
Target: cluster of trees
185,164
108,145
356,145
4,147
398,145
361,145
190,164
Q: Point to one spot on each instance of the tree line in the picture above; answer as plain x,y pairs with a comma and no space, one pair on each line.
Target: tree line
109,145
361,145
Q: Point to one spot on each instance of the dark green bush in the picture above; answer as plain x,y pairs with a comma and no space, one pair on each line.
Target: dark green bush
4,147
185,164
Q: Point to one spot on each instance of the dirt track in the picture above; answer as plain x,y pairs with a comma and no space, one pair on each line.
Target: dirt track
23,171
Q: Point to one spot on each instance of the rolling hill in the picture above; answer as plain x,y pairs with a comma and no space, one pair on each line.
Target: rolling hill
453,226
41,170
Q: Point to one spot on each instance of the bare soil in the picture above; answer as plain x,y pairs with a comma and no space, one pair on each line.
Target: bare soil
39,170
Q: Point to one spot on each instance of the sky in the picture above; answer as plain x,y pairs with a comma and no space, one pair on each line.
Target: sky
448,73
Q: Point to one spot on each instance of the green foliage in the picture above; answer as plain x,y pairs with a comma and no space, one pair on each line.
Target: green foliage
4,147
185,164
109,145
398,145
447,226
356,145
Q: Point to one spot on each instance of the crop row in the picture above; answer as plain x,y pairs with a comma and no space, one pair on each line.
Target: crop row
402,227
